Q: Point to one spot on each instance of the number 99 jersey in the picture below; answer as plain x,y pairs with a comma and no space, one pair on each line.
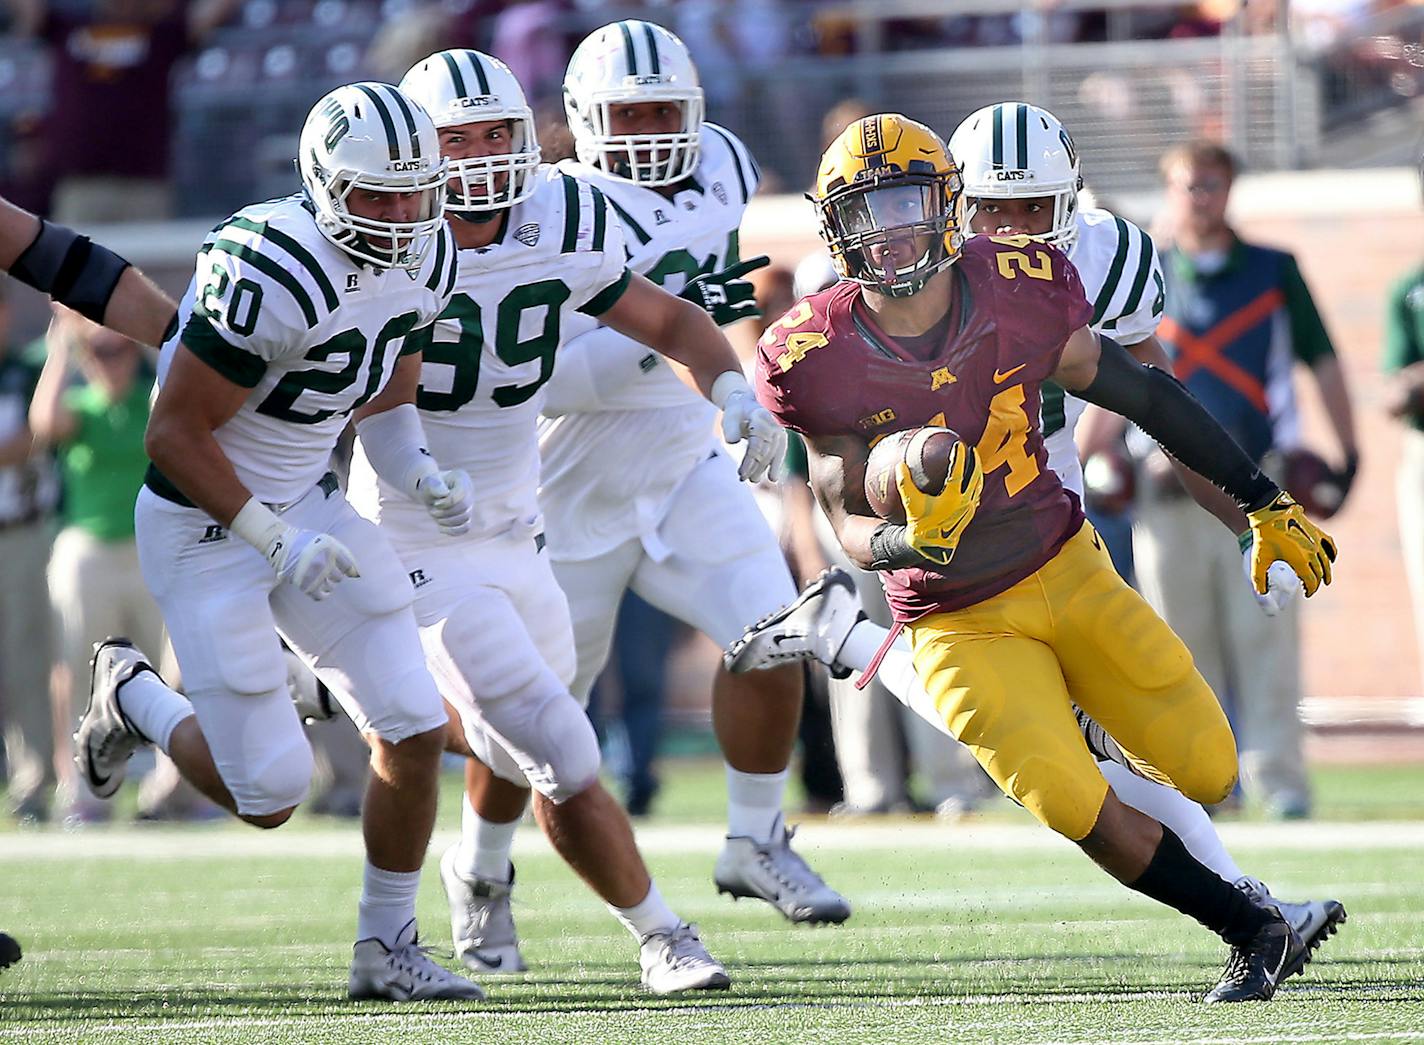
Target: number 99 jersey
825,369
276,308
559,255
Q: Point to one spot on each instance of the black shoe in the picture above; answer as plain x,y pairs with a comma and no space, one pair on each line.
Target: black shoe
9,950
1256,968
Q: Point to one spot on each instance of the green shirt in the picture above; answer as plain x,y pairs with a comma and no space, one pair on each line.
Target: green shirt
102,465
1404,329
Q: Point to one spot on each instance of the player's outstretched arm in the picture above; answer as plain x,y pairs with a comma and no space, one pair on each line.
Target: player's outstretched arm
688,336
87,277
394,440
1101,372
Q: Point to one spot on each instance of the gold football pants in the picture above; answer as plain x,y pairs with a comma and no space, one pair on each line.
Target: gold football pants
1004,675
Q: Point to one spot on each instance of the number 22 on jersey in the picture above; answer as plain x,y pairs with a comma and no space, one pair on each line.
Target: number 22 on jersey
1004,443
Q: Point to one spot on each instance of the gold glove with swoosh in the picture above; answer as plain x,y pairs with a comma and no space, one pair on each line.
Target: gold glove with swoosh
934,523
1282,533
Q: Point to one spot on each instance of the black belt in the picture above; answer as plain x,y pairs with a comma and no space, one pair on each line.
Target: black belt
163,487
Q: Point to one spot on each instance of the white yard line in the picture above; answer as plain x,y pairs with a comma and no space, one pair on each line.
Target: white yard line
916,836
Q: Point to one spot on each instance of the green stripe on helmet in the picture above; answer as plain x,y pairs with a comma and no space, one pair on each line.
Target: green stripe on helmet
386,120
632,55
457,78
479,72
1021,134
404,107
998,156
652,48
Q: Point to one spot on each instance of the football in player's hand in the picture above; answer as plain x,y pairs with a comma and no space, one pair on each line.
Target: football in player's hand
1313,483
927,452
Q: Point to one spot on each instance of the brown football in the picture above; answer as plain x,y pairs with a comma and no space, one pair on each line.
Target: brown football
927,452
1313,483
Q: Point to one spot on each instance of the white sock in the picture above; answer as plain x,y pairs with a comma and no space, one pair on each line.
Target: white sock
484,845
1187,820
861,645
651,915
387,904
754,803
153,708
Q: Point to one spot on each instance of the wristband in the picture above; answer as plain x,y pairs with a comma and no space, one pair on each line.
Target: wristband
728,384
394,442
256,524
890,548
72,270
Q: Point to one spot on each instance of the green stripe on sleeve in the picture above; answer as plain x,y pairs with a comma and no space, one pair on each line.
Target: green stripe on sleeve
438,269
571,215
298,253
628,51
652,49
1105,296
1139,283
600,218
404,107
241,367
273,270
454,266
479,72
736,160
418,340
386,120
1051,419
629,223
457,78
998,156
1021,133
608,296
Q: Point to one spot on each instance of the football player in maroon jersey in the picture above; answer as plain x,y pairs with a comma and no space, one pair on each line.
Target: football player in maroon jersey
1011,605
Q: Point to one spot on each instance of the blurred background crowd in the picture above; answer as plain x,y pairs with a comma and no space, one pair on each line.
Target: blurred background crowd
116,114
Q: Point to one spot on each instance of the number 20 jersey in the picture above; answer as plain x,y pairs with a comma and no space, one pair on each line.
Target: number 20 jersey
275,307
824,369
559,257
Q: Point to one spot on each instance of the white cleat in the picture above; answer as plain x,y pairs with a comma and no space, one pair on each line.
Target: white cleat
677,961
814,627
774,872
404,973
106,738
481,921
1314,920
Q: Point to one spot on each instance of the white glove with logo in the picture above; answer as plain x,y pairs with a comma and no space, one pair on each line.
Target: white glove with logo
307,559
449,497
1282,584
744,418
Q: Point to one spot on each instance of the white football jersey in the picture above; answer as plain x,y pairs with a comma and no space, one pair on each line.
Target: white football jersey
559,258
1122,279
624,429
277,308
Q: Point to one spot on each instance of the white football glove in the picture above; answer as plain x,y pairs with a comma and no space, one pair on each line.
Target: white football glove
744,418
312,561
449,497
1282,585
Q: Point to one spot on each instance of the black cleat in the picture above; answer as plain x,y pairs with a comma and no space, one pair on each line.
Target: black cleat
9,950
1256,968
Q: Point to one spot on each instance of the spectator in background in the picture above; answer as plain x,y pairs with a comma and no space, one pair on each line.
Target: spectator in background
108,128
1238,317
27,497
1404,401
96,429
528,36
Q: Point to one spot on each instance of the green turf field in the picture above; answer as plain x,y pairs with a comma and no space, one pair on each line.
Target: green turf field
991,931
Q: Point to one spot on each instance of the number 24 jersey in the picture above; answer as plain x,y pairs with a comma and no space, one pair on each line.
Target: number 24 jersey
824,369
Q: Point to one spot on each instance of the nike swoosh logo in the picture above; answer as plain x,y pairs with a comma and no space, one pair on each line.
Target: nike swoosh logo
1000,376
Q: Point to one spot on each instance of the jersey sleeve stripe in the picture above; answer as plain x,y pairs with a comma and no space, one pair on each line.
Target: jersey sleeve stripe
438,269
297,252
386,121
1144,269
736,160
608,296
241,367
273,270
571,215
453,265
629,223
600,218
1105,296
418,340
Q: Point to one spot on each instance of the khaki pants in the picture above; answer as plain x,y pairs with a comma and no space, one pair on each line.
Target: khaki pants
1189,568
1410,493
25,658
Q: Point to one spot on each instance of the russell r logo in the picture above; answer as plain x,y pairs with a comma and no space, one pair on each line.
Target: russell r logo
418,579
353,282
212,535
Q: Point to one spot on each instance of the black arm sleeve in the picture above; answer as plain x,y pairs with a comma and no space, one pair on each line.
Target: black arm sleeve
1162,407
891,549
70,269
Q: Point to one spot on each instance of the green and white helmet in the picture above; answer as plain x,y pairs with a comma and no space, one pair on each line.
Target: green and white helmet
371,137
461,86
1014,150
631,62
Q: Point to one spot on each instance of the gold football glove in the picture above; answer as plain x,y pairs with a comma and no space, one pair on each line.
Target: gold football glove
934,523
1282,532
